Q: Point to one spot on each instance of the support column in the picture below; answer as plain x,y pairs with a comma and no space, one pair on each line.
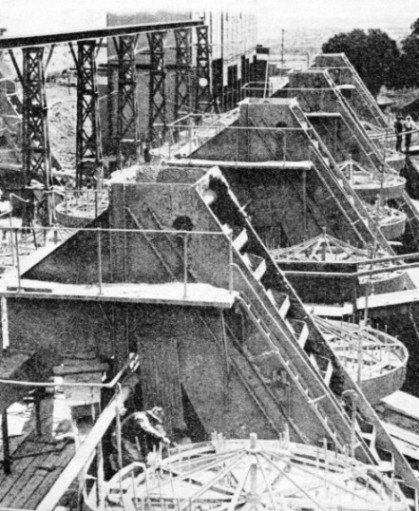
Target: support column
7,463
35,139
203,94
127,124
157,94
183,72
88,137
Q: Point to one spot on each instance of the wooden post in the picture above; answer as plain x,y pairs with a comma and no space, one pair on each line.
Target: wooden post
6,446
185,265
118,436
100,478
17,260
99,258
38,412
4,324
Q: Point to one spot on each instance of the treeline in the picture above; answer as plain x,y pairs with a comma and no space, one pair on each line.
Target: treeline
378,59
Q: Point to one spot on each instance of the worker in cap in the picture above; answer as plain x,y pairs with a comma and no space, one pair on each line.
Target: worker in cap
398,129
409,127
141,434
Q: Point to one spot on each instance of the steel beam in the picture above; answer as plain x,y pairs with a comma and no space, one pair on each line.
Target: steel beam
203,100
35,139
84,35
88,136
183,72
157,93
127,124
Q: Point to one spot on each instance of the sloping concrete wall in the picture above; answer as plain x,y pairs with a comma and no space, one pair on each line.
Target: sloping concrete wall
76,260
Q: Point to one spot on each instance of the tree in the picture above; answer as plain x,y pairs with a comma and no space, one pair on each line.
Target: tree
409,65
373,54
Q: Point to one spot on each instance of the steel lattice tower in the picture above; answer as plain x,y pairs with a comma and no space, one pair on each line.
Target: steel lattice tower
183,71
127,125
157,94
203,94
88,138
35,139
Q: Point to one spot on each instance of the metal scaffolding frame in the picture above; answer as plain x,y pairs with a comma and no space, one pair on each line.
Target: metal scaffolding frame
88,136
36,149
35,140
157,94
183,72
203,101
127,136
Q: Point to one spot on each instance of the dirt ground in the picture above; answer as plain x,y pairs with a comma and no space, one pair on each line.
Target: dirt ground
62,110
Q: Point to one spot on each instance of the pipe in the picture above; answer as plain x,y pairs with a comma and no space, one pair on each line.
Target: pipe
295,165
335,274
109,385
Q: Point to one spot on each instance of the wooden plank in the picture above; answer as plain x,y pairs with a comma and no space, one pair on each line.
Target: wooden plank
28,485
18,469
84,452
27,457
58,461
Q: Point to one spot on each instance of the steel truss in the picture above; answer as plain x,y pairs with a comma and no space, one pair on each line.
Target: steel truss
127,134
157,93
183,72
35,140
203,100
88,137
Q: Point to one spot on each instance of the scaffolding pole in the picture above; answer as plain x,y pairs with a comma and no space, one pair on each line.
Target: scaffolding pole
88,137
35,137
183,72
157,93
127,125
203,60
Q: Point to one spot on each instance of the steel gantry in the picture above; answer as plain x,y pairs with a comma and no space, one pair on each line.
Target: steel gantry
126,140
35,142
183,72
88,134
36,148
203,100
157,93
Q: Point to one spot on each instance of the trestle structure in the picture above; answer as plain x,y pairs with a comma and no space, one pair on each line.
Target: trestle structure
88,137
126,140
157,95
35,140
203,101
183,72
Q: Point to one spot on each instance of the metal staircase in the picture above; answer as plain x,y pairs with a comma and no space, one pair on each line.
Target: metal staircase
366,94
336,183
351,119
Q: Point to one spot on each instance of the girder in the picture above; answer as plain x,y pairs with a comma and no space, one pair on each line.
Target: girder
127,123
84,35
203,101
88,137
183,72
157,93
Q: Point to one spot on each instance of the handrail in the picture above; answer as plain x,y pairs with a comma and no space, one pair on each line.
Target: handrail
332,433
250,286
109,385
348,275
104,230
346,190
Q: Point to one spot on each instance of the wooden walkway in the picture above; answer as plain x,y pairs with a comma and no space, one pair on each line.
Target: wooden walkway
37,461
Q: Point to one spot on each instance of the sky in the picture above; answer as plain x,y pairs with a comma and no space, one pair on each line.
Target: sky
29,16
